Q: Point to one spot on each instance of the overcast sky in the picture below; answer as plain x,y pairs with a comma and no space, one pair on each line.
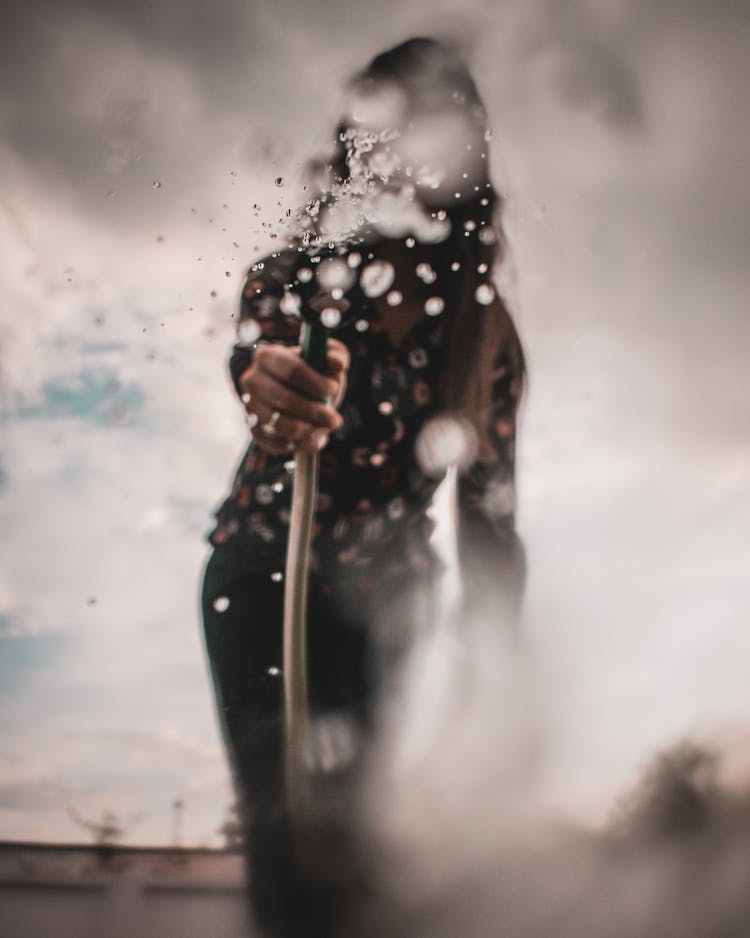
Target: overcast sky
140,144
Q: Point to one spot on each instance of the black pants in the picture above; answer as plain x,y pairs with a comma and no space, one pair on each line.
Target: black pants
353,649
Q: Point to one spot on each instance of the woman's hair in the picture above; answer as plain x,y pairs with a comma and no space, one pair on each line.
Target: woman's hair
430,77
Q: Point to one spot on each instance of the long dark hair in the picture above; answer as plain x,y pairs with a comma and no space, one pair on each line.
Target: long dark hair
431,75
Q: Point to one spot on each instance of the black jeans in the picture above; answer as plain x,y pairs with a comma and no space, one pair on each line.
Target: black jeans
353,650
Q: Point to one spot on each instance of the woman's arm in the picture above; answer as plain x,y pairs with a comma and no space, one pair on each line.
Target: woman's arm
490,553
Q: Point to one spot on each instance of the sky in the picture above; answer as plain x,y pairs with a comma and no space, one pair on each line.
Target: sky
140,146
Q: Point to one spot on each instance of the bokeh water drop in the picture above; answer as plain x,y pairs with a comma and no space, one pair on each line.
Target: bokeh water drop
330,317
248,332
376,278
394,298
484,294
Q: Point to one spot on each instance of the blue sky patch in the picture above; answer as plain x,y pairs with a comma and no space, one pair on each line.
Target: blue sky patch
94,393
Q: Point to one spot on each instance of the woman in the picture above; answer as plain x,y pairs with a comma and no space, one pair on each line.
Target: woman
394,255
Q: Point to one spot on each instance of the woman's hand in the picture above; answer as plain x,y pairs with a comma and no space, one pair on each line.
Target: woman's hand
286,397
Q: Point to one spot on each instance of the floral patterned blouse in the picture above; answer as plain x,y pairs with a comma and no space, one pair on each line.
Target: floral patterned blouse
375,484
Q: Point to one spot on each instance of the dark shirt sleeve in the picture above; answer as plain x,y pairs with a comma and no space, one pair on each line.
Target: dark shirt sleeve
491,554
267,314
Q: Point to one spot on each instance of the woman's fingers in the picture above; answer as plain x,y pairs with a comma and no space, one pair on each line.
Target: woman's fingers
339,360
280,377
287,367
280,425
270,442
278,434
269,391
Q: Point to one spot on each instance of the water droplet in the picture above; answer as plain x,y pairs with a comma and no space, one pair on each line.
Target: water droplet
394,298
278,487
377,459
470,225
251,420
361,325
248,332
330,317
221,603
226,272
425,273
304,275
376,278
482,269
354,259
488,135
385,407
484,201
290,466
279,181
484,294
337,293
334,274
487,236
434,306
290,304
277,576
443,442
273,671
456,265
410,242
245,398
156,184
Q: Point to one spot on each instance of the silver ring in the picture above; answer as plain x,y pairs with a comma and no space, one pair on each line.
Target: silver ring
270,425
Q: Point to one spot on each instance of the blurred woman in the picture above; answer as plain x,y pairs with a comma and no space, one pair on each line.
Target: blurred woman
394,255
